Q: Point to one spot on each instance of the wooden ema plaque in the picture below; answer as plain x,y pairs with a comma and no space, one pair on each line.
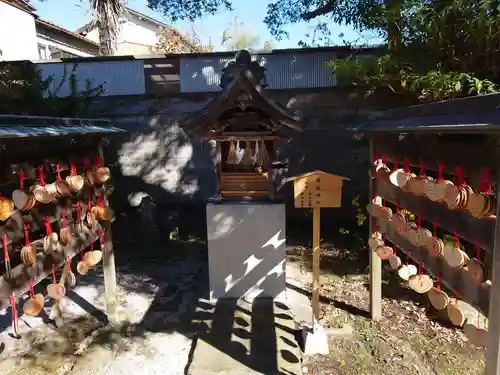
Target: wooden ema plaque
317,189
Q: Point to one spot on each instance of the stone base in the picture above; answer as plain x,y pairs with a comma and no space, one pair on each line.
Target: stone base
246,249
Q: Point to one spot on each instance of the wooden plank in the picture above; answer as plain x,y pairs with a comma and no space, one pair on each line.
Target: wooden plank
244,193
472,155
375,277
467,227
21,274
316,261
453,279
108,264
375,261
492,356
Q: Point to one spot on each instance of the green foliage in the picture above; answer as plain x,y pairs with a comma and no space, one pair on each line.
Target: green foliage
175,10
379,71
23,91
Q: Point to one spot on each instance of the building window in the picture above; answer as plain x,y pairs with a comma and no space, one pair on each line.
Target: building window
56,53
43,52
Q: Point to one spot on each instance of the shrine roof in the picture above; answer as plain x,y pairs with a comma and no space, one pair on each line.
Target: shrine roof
243,86
14,126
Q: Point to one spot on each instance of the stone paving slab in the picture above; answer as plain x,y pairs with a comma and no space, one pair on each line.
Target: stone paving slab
239,337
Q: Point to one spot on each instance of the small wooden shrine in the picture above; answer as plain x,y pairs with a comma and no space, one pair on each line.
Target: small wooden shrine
245,125
247,225
54,212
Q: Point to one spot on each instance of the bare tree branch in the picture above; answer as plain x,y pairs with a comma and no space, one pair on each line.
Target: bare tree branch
328,7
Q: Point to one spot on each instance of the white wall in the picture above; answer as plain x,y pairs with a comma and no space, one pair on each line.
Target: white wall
43,41
17,34
132,31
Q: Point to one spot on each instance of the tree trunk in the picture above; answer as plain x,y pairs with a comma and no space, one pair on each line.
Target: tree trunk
393,9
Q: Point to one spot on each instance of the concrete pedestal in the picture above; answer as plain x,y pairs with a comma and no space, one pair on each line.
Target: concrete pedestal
246,249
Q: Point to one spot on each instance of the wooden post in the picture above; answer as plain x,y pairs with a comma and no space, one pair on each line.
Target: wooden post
493,348
316,259
108,264
375,262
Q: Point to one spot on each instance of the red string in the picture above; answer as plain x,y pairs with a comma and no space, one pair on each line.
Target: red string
397,206
438,287
396,163
58,170
26,235
375,155
394,248
485,186
441,166
460,177
78,211
478,251
53,274
5,249
72,167
97,161
14,308
419,221
420,268
376,227
48,227
384,159
68,259
99,199
455,239
21,179
32,289
40,175
406,165
422,168
85,164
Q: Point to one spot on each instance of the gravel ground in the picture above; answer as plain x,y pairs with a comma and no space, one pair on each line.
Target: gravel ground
155,298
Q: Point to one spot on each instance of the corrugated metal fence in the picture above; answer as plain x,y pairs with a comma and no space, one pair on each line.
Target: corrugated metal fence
284,71
196,73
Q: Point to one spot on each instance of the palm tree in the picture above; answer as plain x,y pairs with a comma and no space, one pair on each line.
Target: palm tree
107,16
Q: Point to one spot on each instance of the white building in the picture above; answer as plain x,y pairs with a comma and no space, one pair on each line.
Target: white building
24,36
17,31
138,33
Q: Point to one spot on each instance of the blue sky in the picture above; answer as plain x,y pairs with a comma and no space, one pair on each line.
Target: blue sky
72,14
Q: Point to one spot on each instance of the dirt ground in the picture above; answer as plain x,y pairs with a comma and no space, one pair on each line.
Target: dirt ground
409,339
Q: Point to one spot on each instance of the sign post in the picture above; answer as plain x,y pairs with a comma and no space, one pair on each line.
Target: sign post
315,190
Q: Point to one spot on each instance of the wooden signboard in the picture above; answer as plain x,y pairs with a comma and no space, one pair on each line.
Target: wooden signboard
315,190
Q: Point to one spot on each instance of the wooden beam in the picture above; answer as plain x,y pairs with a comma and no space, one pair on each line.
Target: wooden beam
467,227
375,261
316,261
108,264
493,349
472,155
